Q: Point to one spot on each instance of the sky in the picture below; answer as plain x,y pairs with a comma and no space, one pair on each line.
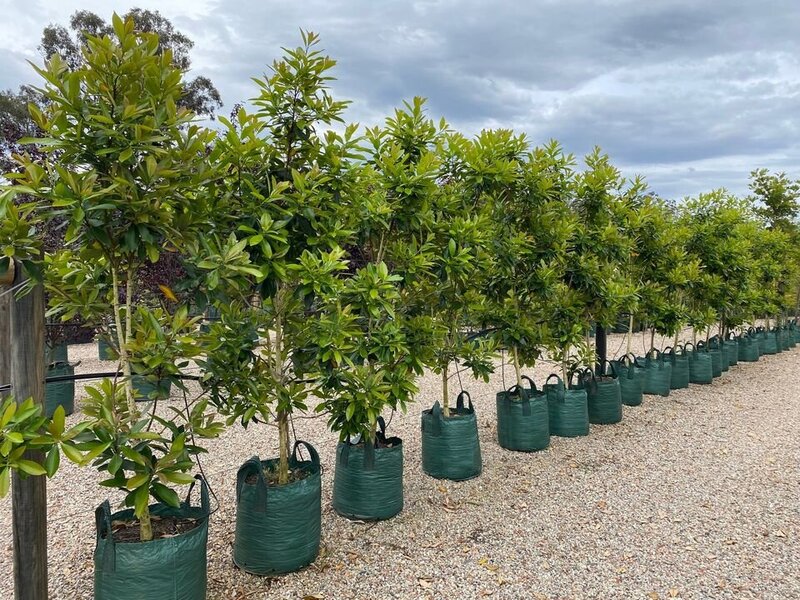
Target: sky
691,95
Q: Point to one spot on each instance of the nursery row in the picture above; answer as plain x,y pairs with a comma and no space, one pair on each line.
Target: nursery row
308,265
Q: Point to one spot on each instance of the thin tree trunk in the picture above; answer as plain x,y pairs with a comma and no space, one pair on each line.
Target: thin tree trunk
445,392
283,441
630,333
652,339
517,368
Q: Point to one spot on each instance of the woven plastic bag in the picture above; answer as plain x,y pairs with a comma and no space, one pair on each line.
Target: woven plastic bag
679,362
169,568
278,526
450,446
59,393
522,419
368,483
604,399
631,380
568,409
658,374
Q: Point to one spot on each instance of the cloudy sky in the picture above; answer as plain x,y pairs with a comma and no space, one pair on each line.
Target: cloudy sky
693,95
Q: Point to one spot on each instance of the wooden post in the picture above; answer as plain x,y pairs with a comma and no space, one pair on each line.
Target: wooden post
5,338
29,496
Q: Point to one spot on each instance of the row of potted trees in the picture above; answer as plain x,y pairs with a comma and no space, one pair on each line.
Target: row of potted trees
340,265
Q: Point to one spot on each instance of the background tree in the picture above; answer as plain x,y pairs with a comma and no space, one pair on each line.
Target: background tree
198,95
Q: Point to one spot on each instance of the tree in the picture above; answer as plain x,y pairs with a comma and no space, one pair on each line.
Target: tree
718,240
274,259
123,167
776,199
660,265
198,95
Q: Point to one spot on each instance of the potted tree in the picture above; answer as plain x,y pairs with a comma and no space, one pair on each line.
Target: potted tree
123,166
459,242
273,265
521,189
390,334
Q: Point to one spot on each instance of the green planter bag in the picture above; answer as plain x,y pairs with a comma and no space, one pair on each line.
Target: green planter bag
630,380
522,419
715,344
59,393
58,353
169,568
658,374
106,349
679,363
278,526
145,389
368,482
732,344
450,446
568,409
770,342
748,348
715,355
604,399
700,367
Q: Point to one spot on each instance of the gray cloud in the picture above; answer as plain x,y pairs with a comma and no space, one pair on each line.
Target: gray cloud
692,95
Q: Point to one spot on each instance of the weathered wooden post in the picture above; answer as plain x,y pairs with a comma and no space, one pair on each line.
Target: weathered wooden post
5,329
29,496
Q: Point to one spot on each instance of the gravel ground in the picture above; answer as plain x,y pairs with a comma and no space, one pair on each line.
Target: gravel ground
691,496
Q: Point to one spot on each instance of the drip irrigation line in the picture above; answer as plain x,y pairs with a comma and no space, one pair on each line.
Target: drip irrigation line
82,376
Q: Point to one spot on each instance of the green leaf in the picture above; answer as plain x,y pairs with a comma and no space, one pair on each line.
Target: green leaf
30,467
5,481
52,461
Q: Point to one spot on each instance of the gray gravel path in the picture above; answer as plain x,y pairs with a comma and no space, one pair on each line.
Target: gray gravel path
691,496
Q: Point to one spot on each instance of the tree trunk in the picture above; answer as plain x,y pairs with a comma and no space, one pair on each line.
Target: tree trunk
283,441
630,333
517,369
445,393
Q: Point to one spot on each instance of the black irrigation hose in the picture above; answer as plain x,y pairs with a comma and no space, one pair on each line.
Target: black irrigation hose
59,378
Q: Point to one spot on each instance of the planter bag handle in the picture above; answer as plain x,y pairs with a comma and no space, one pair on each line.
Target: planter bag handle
713,343
668,350
587,379
523,394
460,401
701,346
731,336
686,347
436,413
530,381
625,360
102,520
205,501
611,368
253,466
560,389
312,452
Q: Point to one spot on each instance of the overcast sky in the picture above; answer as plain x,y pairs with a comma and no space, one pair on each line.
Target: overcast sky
693,95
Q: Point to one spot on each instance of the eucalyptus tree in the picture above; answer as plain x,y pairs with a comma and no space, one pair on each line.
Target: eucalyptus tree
122,169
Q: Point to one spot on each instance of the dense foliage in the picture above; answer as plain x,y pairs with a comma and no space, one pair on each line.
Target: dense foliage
342,262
